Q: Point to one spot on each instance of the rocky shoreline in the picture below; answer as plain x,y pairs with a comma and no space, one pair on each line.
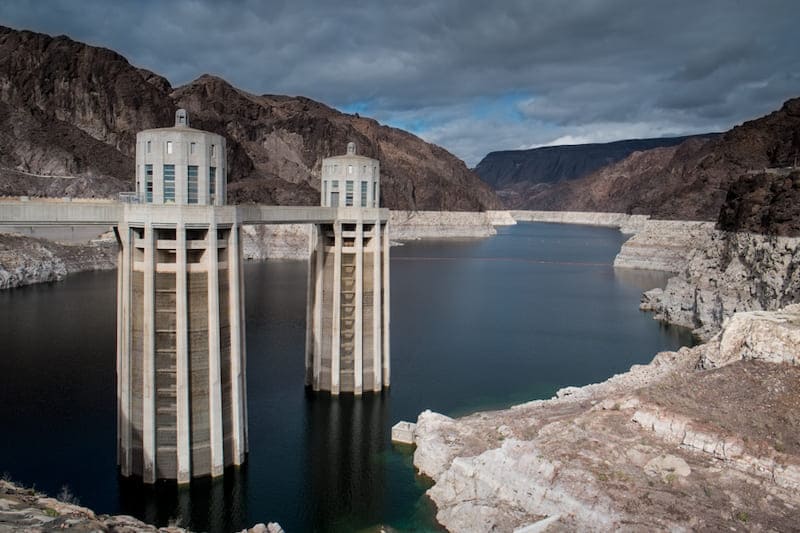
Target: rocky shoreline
23,509
716,273
626,223
728,273
703,438
28,260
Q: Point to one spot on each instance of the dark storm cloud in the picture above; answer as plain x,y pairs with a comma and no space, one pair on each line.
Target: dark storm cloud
472,76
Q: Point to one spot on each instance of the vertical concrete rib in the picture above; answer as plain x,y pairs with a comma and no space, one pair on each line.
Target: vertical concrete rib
148,363
310,291
214,382
124,346
358,363
120,355
376,308
237,354
337,304
386,307
182,388
318,279
242,337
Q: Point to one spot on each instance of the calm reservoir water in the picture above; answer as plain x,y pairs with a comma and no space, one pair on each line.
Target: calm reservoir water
475,324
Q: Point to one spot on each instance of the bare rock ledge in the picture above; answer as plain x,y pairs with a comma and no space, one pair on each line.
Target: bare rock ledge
700,439
23,509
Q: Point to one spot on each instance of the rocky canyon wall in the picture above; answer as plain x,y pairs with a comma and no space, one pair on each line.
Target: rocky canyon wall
729,272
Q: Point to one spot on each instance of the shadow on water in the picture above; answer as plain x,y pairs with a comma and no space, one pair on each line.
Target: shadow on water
204,504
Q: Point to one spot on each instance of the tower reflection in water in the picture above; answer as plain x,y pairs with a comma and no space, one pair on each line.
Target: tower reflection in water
207,504
343,444
346,436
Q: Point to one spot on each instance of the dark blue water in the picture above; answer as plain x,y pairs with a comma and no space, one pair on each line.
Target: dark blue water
475,324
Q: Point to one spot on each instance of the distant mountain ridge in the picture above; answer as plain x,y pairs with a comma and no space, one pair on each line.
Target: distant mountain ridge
551,164
69,114
692,181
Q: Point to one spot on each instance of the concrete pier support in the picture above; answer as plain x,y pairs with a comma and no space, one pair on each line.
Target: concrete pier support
181,352
347,343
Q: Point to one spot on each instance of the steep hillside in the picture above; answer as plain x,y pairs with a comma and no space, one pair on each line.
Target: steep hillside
766,203
285,138
690,181
551,164
69,114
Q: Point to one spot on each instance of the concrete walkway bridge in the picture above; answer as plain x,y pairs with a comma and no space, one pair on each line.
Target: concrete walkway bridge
66,212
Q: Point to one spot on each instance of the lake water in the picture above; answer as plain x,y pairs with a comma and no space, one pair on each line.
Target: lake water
476,324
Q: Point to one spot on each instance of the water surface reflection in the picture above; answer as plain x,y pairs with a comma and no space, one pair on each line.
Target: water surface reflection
345,438
211,504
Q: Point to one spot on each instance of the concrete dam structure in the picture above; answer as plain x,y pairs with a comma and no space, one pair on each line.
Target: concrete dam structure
181,352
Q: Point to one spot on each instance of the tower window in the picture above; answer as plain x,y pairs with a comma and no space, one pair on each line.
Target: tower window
148,182
192,147
191,184
348,197
363,194
212,183
213,150
169,184
335,193
169,147
148,147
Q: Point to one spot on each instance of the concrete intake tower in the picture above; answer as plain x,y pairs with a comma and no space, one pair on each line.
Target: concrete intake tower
347,341
181,350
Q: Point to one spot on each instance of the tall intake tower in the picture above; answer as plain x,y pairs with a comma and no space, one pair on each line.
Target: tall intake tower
347,340
181,352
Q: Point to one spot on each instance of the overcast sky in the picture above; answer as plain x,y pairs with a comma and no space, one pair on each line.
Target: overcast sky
472,76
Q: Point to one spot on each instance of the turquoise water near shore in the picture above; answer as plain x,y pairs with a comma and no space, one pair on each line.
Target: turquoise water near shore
476,324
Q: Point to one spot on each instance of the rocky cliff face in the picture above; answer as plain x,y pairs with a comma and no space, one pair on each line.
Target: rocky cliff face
688,182
69,114
700,439
732,272
71,111
552,164
766,203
